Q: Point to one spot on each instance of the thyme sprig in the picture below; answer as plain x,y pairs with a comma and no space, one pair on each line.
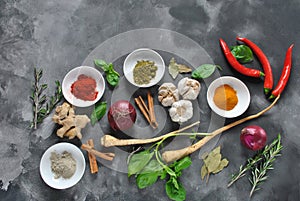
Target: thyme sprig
259,165
42,106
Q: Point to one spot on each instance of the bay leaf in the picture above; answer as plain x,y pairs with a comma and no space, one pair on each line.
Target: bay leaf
223,164
204,171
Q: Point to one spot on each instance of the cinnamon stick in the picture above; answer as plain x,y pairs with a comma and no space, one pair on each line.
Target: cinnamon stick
151,110
142,106
106,156
92,158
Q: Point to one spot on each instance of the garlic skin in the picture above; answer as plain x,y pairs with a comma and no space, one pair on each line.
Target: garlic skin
181,111
168,94
189,88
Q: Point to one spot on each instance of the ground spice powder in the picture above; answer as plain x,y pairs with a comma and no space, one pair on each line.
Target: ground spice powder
225,97
63,165
84,88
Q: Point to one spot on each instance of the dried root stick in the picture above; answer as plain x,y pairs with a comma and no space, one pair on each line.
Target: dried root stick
109,141
169,156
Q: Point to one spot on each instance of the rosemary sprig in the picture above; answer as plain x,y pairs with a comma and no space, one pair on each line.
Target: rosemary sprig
259,165
41,106
251,162
259,174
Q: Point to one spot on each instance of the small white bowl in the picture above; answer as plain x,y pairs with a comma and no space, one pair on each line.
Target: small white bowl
143,54
241,91
72,76
45,166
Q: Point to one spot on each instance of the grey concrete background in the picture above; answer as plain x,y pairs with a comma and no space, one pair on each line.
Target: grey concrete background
57,35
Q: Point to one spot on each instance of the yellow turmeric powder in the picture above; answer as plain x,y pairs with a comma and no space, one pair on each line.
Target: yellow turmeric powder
225,97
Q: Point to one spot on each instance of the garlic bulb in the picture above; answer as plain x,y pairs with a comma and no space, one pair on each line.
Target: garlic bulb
189,88
168,94
181,111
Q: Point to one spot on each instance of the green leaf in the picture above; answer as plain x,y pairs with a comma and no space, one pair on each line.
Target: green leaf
146,179
100,63
242,53
112,79
138,161
98,112
204,71
152,167
183,164
177,194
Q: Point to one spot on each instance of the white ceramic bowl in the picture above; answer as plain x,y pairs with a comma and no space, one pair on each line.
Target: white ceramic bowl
45,166
143,54
242,94
72,76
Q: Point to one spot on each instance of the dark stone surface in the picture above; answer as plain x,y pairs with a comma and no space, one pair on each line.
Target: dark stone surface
58,35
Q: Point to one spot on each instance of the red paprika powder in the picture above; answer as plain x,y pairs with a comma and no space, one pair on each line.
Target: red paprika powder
84,88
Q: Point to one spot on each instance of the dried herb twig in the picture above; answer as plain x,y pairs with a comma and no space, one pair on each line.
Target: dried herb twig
41,107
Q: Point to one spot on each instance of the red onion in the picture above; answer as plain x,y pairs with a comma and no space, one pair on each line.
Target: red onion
253,137
121,115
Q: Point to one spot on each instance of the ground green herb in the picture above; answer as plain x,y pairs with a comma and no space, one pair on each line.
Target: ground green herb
144,72
242,53
112,76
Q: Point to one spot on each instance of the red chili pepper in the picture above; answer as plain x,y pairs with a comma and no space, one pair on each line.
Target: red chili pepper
236,65
268,83
285,73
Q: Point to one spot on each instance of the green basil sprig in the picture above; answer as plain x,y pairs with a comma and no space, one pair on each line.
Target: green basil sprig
98,112
204,71
242,53
112,76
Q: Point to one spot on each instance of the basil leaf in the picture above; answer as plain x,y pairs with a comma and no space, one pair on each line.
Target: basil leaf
183,164
112,76
100,63
177,194
204,71
242,53
98,112
112,79
138,161
146,179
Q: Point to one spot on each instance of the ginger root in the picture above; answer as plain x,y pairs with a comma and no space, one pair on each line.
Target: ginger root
71,123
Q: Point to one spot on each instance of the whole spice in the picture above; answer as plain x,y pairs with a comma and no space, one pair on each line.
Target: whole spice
84,88
259,164
71,123
92,158
268,83
63,165
144,72
225,97
112,76
285,74
91,150
41,106
236,65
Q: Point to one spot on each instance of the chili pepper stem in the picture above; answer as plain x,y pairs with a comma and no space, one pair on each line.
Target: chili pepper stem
267,91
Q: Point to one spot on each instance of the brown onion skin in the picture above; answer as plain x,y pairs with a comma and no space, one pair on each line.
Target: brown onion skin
121,115
253,137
